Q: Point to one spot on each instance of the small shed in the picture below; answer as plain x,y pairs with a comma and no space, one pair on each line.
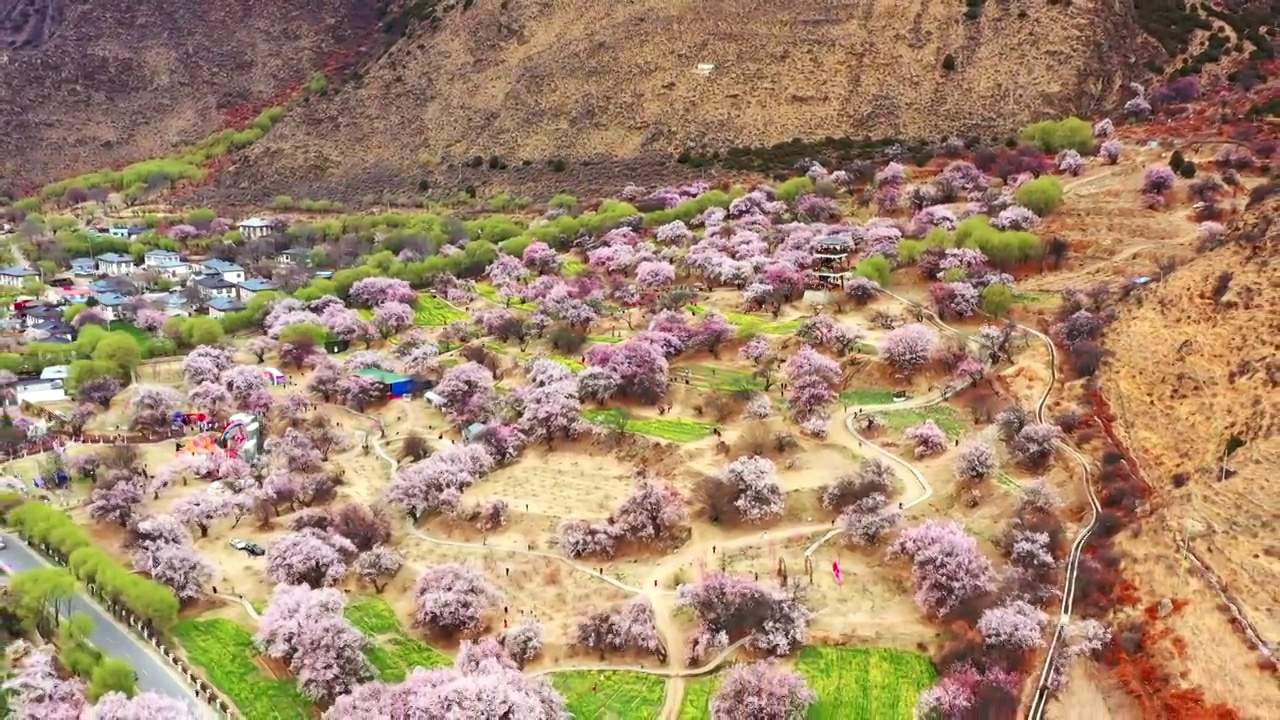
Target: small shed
472,431
434,399
396,385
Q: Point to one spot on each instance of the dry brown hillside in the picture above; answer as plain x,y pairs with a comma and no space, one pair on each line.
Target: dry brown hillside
88,84
1196,372
579,79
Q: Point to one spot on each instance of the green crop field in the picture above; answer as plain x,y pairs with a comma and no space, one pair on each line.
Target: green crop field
392,652
225,651
606,339
866,396
717,379
864,683
947,418
755,324
851,684
434,312
697,697
490,293
673,429
617,696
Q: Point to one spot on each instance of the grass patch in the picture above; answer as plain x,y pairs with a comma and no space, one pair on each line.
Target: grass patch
572,268
864,683
945,416
432,311
698,692
393,652
225,651
1026,298
617,695
866,396
673,429
490,293
718,379
755,324
607,339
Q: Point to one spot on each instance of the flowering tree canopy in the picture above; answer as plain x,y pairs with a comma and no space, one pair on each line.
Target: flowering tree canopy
451,598
928,438
206,363
813,378
308,558
947,566
727,607
749,486
762,691
468,392
908,348
374,291
305,629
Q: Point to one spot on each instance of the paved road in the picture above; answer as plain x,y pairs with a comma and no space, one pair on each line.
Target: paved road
154,672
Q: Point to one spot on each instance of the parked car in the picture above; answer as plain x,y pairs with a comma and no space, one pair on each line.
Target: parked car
251,548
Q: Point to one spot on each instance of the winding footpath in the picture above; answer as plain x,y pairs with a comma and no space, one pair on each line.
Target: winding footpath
1041,697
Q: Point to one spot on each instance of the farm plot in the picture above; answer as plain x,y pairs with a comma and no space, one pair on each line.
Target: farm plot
947,418
225,651
673,429
717,379
393,652
592,695
864,683
490,293
868,396
432,311
754,324
697,697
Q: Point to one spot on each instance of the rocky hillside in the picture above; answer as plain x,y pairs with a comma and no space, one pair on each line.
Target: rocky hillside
578,80
96,83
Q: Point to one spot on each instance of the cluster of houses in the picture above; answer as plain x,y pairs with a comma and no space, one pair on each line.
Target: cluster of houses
211,286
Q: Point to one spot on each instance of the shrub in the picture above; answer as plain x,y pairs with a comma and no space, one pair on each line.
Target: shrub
1041,196
1054,136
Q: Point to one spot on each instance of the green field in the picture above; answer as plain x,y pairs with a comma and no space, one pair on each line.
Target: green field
866,396
606,339
851,684
864,683
717,379
393,652
572,268
697,697
755,324
618,695
490,293
434,312
225,651
947,418
673,429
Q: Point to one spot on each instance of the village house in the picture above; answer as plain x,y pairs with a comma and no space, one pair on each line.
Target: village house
125,233
213,286
16,277
254,227
294,256
167,264
52,331
220,306
228,271
35,314
84,266
112,264
111,306
253,286
118,284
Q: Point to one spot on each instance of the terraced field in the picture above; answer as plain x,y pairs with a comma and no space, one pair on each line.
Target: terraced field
432,311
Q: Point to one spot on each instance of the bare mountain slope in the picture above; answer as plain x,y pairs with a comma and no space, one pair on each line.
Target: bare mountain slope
577,79
1196,372
88,84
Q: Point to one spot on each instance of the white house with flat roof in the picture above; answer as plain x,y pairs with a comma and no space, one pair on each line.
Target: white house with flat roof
254,227
111,264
